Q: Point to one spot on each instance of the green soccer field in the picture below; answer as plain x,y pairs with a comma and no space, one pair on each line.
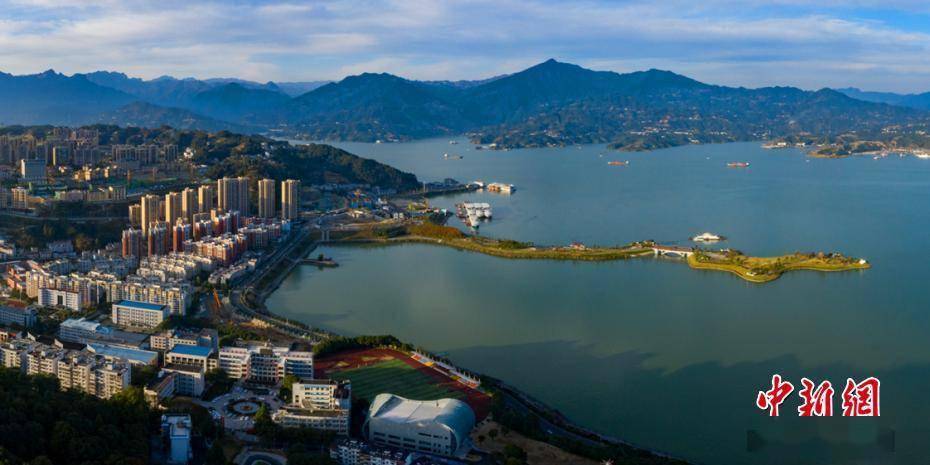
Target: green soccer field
394,377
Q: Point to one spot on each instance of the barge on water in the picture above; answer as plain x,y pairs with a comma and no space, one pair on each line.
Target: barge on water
472,213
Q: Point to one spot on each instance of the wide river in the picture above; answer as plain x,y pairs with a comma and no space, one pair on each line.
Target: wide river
649,350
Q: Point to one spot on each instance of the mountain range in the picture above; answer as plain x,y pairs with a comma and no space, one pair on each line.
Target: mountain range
552,103
920,101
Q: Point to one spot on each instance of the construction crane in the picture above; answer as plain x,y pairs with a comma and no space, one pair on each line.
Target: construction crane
216,299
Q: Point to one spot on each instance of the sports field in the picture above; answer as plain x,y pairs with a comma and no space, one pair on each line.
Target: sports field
395,377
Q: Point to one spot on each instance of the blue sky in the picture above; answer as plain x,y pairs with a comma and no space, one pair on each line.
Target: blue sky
876,45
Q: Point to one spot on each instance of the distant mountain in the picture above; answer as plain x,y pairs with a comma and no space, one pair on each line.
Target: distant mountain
299,88
166,90
464,84
376,106
920,101
53,98
552,103
147,115
235,102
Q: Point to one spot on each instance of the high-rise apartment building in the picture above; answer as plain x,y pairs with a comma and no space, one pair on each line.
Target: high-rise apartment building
205,198
290,199
149,205
189,204
172,208
232,194
266,198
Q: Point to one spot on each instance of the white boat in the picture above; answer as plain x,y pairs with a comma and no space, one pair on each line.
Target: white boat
707,237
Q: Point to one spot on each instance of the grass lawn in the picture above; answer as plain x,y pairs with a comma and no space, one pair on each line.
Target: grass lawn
395,377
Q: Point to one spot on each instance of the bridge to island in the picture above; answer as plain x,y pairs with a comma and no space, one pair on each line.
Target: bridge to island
672,251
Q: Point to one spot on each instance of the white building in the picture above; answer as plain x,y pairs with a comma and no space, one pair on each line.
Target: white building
138,314
318,403
176,428
60,298
438,427
265,363
81,330
166,340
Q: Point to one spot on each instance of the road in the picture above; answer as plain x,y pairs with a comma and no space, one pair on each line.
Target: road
237,295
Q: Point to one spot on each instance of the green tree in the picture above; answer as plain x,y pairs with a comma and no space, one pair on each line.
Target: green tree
215,455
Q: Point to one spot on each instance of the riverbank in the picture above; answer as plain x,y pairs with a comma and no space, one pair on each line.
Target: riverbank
767,269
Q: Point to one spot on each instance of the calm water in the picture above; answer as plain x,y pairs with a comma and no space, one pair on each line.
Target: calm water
649,350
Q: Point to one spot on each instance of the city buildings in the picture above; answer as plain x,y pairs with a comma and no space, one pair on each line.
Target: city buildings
78,370
61,298
22,317
265,363
172,208
318,403
233,195
149,208
166,340
189,364
189,204
84,331
266,198
32,171
132,243
290,199
138,314
205,198
354,452
132,356
438,427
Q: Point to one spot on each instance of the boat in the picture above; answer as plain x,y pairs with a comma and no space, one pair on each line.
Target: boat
472,213
618,163
446,156
501,188
738,164
707,237
453,142
922,154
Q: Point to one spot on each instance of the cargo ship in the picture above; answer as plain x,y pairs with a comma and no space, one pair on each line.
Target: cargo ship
738,164
618,163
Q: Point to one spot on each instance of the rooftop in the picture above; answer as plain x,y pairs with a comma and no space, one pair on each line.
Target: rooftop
452,413
193,351
132,355
81,324
139,305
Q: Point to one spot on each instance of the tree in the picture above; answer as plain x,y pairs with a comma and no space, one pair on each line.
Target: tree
142,376
215,455
287,387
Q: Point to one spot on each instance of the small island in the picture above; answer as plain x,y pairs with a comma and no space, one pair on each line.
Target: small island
753,269
765,269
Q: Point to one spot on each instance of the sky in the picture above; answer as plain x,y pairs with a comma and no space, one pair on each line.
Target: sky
870,44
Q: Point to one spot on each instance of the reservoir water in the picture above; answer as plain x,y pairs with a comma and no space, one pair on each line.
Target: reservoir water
649,350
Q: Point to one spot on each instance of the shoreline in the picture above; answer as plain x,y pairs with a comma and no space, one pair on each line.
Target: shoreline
255,307
503,248
757,270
